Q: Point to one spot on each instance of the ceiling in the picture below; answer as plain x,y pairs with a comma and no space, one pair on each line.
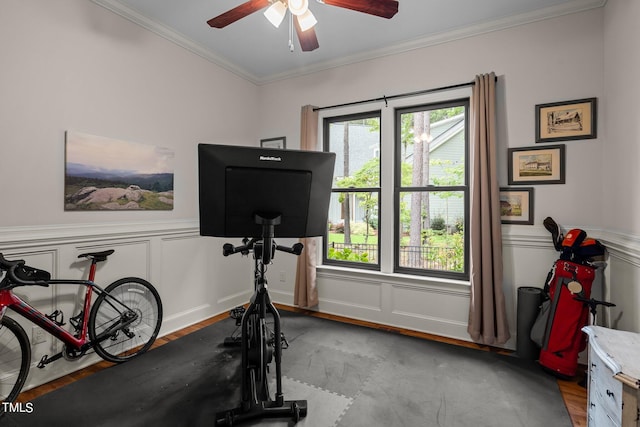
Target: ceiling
259,52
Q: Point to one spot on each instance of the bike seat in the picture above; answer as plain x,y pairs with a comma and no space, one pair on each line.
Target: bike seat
98,256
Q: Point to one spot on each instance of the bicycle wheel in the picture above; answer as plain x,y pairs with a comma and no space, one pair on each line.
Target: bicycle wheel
131,295
15,358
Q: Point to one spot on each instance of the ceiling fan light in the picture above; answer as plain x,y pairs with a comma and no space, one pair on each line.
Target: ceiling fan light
298,7
275,13
306,20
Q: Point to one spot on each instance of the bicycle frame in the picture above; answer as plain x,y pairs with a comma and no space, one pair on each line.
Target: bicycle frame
10,300
81,342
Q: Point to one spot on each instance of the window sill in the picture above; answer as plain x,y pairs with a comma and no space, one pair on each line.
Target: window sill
396,279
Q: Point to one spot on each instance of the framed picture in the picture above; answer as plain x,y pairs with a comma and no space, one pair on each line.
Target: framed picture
536,165
280,142
516,205
106,174
564,121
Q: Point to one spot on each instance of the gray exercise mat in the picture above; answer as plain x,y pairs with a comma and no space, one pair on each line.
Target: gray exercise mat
350,375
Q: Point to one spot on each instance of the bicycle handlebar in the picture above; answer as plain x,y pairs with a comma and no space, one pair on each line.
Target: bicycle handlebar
5,264
229,249
296,249
13,278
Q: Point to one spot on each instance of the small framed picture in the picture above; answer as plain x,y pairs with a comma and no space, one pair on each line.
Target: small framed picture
280,142
516,206
564,121
536,165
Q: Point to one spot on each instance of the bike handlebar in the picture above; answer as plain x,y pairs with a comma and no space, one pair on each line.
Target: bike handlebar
296,249
14,278
229,249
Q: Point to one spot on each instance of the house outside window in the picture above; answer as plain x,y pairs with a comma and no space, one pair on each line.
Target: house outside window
426,197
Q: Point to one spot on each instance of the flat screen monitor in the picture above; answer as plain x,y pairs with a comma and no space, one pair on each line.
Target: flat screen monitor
238,182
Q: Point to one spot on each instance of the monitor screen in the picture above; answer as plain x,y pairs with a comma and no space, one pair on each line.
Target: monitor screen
238,182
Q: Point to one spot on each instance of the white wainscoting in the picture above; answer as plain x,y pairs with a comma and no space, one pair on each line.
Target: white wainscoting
423,304
196,282
193,279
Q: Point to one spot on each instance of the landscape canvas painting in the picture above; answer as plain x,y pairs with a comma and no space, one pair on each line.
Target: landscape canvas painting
109,174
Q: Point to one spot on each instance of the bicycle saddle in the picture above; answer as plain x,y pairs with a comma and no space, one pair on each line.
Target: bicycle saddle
98,256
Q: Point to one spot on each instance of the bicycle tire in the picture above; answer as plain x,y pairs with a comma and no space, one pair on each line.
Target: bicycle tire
126,343
15,359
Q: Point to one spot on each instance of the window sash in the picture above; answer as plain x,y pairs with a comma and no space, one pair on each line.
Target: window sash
401,256
432,258
358,249
355,248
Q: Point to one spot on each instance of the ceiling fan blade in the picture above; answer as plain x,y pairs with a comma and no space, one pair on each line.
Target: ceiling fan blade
383,8
238,12
308,39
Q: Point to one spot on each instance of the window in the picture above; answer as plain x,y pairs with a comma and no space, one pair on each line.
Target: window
419,170
352,236
431,189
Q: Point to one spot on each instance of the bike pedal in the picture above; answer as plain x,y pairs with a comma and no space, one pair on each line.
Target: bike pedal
237,312
43,361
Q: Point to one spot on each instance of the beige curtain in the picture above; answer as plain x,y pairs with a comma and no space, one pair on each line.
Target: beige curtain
487,315
305,293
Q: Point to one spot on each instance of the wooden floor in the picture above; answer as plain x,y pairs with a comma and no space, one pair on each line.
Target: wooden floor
574,395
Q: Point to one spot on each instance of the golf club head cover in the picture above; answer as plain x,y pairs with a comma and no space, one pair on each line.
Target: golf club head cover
554,229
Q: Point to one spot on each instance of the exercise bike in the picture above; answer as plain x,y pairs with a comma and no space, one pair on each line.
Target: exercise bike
260,345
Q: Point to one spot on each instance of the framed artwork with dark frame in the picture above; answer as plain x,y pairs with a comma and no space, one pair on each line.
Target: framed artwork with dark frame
516,205
536,165
280,142
568,120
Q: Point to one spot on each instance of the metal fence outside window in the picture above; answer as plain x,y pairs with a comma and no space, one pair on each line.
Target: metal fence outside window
424,257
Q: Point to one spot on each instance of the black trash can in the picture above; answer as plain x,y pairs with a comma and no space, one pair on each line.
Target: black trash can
529,300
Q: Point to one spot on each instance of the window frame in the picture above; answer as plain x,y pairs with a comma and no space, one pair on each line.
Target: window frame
326,123
398,189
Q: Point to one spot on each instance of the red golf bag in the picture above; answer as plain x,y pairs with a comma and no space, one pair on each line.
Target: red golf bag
570,278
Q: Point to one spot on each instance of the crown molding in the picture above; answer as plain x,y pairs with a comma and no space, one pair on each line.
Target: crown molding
566,8
173,36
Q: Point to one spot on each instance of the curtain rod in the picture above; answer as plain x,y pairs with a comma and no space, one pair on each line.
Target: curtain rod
401,95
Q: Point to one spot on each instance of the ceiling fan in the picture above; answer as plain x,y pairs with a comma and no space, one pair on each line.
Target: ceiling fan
304,20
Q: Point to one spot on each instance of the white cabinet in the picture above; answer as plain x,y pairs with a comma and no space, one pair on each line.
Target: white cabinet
614,377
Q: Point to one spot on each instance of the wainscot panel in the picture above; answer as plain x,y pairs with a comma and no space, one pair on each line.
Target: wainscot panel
428,309
193,278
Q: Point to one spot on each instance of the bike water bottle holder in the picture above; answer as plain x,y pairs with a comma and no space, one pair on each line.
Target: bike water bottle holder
54,317
76,321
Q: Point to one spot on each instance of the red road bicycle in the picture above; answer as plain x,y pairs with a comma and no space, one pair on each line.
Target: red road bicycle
121,322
